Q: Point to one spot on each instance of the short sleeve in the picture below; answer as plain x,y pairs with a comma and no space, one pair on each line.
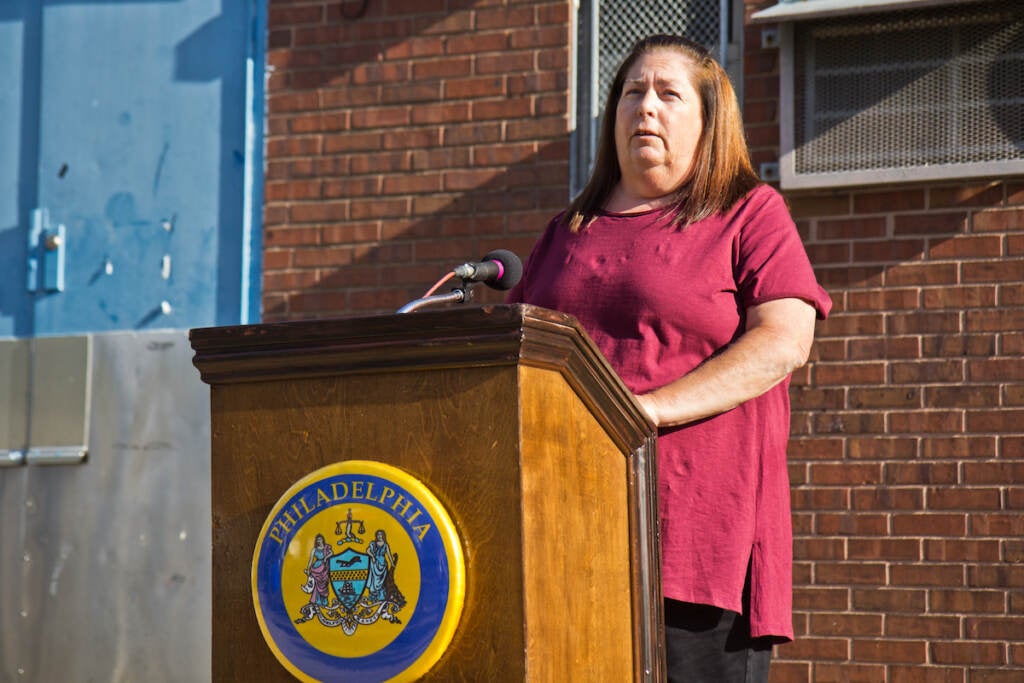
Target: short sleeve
769,258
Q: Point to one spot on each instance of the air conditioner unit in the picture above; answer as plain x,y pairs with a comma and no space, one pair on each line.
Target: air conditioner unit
899,96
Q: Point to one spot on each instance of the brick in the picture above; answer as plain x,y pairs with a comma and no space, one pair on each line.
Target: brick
973,396
851,524
960,297
816,449
929,524
895,397
920,473
856,228
443,68
536,37
889,346
887,202
850,573
351,186
961,550
988,576
819,549
472,134
790,672
993,472
999,220
953,446
349,232
828,254
505,108
807,597
922,274
888,251
285,237
849,276
919,626
967,652
884,549
468,88
850,374
926,372
924,321
967,246
889,600
930,224
845,474
926,674
816,649
888,498
319,212
994,420
1006,270
988,194
1011,294
830,624
945,346
966,602
889,448
996,524
440,113
410,184
539,128
477,42
927,422
926,575
820,499
972,499
903,651
979,675
1001,320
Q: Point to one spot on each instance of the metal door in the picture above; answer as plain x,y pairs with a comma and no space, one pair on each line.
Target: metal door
129,164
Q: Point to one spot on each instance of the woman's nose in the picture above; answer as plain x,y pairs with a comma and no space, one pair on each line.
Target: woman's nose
649,102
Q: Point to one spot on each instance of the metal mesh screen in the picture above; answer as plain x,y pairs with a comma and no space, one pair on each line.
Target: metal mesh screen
622,22
911,89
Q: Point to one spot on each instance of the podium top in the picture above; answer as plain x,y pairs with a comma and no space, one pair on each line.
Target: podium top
484,336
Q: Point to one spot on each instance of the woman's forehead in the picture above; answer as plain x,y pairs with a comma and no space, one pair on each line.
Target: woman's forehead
663,64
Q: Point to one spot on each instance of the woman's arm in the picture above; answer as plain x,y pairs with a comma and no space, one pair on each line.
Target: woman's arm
777,341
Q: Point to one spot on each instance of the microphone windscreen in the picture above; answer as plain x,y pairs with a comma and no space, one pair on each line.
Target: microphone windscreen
512,269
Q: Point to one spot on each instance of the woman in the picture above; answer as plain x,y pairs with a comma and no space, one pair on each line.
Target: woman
317,570
381,564
691,278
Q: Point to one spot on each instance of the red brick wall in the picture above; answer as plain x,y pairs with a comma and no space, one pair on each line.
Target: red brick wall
405,141
424,133
907,458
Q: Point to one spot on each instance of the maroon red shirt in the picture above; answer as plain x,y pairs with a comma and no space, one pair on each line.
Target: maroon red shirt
659,301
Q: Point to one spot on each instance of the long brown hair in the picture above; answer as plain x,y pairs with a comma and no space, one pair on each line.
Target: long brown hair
721,172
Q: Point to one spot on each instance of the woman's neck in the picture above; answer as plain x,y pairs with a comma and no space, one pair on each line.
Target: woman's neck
622,200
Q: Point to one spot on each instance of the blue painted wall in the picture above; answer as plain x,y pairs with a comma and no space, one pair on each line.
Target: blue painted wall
136,126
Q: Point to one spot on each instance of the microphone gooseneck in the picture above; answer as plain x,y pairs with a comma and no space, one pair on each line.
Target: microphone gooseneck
499,269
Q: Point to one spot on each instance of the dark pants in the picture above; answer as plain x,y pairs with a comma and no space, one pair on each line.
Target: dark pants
706,644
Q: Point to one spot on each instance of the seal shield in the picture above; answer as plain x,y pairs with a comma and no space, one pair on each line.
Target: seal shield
358,574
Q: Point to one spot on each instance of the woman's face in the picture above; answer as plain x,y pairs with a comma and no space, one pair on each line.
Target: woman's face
658,121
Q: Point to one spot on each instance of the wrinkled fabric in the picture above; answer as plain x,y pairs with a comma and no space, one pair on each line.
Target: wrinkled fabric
658,301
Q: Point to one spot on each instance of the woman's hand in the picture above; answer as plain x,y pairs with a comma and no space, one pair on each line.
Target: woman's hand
777,341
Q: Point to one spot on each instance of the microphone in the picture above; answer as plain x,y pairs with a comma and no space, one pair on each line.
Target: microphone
500,269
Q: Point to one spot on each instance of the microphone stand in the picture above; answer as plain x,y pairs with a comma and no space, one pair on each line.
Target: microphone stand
458,295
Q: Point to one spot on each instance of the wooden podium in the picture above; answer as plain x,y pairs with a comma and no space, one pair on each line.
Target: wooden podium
517,424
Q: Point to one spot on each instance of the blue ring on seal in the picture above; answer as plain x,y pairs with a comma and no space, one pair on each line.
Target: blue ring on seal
421,628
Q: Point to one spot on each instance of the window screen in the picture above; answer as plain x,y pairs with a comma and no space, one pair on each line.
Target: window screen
911,95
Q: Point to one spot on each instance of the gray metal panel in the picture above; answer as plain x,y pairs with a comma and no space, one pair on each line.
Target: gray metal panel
14,362
106,570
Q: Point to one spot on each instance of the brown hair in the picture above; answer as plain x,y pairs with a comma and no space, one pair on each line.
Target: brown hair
721,172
